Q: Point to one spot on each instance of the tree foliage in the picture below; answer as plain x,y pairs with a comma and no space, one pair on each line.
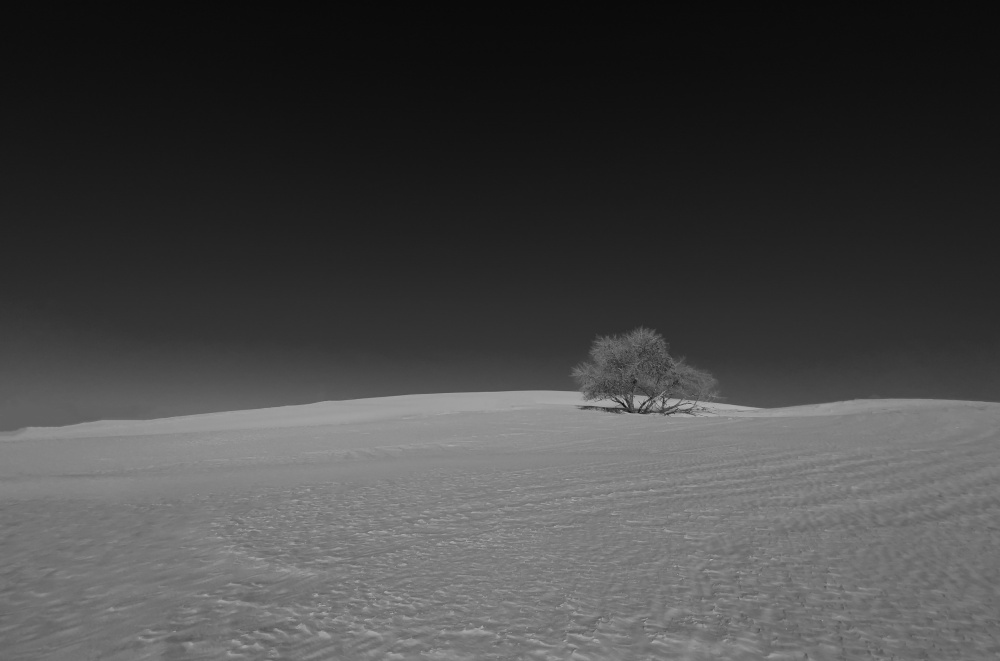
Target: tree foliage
636,371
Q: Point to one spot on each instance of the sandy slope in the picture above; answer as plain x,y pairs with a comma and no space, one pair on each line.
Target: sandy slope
519,526
329,413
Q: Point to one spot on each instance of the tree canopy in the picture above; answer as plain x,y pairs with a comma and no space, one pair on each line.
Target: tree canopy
636,371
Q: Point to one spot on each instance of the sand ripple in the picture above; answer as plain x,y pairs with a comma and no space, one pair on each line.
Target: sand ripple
559,535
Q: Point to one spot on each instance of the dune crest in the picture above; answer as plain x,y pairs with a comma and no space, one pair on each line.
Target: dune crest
326,413
864,406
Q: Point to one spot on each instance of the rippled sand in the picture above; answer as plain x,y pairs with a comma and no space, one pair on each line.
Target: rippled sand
864,530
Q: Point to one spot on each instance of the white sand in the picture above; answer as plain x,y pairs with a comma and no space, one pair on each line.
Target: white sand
506,526
333,413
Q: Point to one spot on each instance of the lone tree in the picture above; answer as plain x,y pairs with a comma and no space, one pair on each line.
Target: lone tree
637,372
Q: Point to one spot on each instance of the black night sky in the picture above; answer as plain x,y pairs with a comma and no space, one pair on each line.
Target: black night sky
195,225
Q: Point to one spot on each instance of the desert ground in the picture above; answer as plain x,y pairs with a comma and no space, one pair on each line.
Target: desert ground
506,526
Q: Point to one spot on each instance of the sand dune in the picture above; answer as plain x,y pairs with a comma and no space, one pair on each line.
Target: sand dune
328,413
516,526
858,406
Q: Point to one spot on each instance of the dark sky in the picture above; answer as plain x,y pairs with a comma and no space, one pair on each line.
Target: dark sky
195,224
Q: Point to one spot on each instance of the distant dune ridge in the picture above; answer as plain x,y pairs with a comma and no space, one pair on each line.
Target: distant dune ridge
401,406
507,525
330,413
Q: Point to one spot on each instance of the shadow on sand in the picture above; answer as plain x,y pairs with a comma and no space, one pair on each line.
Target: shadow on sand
603,409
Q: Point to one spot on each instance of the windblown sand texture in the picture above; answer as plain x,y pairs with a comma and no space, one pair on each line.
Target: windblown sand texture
506,526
